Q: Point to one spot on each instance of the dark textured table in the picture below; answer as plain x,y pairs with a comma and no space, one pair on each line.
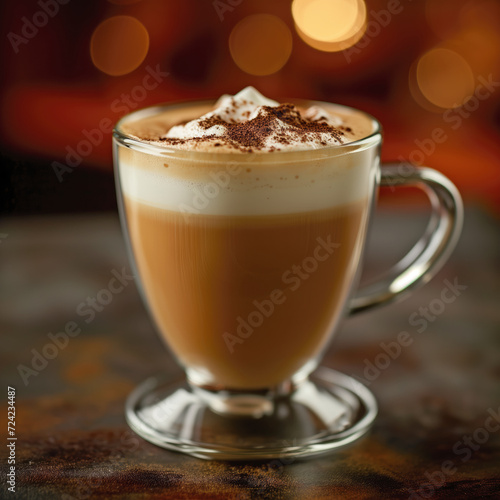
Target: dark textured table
437,434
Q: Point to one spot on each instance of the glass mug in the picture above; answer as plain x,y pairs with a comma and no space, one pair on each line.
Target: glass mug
247,262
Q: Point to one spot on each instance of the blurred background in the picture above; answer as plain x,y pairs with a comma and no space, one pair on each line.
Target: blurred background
429,70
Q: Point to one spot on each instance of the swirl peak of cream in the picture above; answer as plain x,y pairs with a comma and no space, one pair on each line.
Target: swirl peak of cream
249,122
242,107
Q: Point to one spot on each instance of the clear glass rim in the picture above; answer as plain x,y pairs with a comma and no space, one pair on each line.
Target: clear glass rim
129,141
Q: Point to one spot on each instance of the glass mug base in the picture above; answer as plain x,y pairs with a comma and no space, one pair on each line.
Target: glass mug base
322,413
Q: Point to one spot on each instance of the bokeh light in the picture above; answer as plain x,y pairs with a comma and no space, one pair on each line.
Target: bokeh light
443,77
330,25
260,44
119,45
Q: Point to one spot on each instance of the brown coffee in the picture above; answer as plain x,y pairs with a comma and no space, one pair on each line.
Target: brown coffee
245,302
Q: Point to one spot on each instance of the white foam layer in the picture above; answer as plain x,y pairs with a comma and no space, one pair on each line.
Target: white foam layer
233,190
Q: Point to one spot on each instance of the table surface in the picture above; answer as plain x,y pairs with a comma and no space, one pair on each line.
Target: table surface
436,435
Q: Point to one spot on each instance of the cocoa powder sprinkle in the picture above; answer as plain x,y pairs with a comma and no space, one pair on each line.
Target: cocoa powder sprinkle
251,135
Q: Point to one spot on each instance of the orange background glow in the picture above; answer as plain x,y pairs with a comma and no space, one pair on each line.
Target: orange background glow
419,67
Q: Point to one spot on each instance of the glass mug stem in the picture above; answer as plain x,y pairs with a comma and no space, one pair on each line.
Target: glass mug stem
431,251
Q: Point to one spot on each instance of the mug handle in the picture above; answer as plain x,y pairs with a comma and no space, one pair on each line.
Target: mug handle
434,247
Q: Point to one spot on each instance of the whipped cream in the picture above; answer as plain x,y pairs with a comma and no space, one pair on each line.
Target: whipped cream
243,106
249,122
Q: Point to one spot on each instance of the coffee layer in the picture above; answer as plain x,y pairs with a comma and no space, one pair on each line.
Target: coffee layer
230,296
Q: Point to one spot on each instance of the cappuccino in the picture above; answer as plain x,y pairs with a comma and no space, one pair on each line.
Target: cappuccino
246,220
